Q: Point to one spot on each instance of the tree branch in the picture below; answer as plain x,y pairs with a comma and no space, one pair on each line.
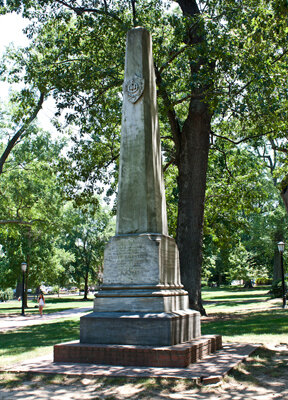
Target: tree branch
134,12
225,160
278,148
21,132
252,80
171,114
19,221
166,64
239,141
188,7
166,166
81,10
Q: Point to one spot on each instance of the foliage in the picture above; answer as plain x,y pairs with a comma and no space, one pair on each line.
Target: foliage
276,290
243,215
85,232
84,75
228,59
29,210
6,294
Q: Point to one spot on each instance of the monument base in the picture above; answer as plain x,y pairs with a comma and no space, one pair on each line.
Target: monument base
177,356
147,329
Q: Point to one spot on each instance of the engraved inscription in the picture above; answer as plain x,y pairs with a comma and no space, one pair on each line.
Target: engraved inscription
134,88
131,261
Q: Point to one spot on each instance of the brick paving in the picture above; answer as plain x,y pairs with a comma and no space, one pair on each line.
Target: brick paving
208,370
211,369
180,355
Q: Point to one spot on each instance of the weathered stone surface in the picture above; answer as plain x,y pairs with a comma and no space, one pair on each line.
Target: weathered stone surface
141,197
141,301
153,329
141,259
141,274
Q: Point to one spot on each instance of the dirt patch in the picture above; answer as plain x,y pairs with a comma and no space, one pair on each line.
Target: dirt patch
263,376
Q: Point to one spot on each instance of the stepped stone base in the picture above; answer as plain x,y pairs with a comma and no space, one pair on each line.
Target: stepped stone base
147,329
178,356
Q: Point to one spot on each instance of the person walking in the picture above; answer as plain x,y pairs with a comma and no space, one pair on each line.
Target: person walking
41,302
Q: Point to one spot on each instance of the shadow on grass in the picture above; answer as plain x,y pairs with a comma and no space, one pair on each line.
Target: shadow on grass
262,368
232,303
56,300
149,386
235,289
11,309
245,296
254,323
32,337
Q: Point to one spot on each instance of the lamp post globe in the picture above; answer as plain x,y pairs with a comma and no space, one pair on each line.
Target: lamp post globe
24,266
281,247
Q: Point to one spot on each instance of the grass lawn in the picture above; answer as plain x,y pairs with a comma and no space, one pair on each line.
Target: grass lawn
239,315
53,304
33,341
235,299
245,315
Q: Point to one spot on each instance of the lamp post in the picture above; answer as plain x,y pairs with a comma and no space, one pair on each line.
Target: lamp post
281,246
23,268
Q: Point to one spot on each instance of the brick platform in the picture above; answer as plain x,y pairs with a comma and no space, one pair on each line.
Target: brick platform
178,356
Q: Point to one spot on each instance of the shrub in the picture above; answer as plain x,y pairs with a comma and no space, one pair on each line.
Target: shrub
263,281
6,294
55,289
276,289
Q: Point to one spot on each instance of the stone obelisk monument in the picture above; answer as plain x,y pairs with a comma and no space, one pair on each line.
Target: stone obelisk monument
142,301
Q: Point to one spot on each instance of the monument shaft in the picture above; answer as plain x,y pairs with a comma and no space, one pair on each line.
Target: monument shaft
141,301
141,204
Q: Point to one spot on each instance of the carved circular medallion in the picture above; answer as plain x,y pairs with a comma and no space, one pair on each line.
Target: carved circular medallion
134,88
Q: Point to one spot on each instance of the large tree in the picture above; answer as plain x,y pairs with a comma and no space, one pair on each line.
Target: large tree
216,62
29,209
85,233
244,215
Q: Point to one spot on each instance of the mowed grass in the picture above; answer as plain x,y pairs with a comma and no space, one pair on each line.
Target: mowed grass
236,299
239,315
37,340
32,341
263,327
245,315
52,304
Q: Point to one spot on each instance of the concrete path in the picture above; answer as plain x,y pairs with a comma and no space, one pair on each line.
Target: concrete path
18,321
211,369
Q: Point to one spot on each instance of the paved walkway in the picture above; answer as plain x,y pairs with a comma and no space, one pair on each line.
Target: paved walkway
18,321
209,370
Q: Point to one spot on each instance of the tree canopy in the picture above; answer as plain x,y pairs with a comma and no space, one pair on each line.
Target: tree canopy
221,70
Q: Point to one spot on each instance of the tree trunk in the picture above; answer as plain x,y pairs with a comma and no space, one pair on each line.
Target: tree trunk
284,195
278,237
277,275
18,289
26,282
193,162
86,284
